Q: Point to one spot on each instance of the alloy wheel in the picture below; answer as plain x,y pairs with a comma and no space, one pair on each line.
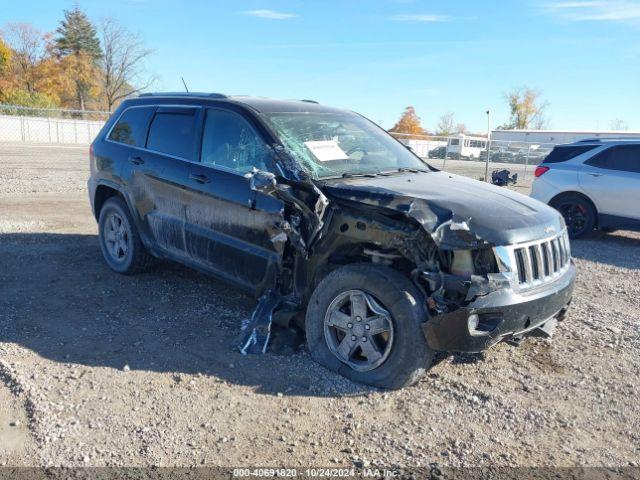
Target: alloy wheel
358,330
116,237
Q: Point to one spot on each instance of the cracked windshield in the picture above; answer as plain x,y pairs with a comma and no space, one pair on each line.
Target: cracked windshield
336,144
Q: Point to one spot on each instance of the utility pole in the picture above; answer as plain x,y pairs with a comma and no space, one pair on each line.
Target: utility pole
486,167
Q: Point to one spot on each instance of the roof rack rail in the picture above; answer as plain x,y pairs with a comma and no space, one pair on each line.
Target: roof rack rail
309,101
183,94
607,139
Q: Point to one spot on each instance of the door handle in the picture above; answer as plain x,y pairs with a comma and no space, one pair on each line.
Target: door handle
199,178
596,174
136,160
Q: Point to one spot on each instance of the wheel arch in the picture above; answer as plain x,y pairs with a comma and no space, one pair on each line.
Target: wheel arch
103,193
577,194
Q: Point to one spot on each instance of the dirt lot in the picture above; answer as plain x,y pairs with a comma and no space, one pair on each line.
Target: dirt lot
101,369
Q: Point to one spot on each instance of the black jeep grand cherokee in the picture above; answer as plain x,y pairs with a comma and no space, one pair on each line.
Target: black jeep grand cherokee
314,209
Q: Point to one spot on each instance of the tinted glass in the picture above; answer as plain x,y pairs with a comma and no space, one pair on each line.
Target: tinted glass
229,141
562,154
132,126
173,132
624,158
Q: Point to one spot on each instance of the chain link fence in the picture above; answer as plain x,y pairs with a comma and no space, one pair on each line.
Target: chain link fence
468,155
49,125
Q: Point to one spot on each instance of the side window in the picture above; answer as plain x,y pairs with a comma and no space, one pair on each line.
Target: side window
173,131
624,158
627,158
602,160
229,141
561,153
132,126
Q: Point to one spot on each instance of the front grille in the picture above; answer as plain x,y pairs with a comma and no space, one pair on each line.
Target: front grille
542,261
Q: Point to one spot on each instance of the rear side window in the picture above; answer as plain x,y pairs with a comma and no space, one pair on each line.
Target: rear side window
132,126
173,132
562,154
624,158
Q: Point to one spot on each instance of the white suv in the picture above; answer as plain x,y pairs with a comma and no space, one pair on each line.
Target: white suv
593,184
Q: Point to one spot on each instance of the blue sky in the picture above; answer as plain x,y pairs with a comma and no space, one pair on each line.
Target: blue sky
378,56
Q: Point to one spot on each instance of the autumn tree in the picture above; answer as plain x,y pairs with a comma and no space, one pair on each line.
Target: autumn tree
78,45
5,56
527,110
28,48
409,123
122,63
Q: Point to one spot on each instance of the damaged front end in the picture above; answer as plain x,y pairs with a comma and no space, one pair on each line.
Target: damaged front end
480,284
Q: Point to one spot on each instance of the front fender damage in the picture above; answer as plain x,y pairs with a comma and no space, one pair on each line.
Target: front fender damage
321,229
301,224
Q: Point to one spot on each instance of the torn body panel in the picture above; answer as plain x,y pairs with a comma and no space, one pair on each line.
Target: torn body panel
257,331
424,238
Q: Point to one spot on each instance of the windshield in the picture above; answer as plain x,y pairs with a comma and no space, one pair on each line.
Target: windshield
339,144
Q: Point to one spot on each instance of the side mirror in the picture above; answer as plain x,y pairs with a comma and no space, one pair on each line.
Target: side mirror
261,181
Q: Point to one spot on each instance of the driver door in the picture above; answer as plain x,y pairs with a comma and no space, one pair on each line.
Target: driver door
229,226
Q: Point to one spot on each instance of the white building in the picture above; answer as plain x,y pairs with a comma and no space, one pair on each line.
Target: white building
423,147
555,137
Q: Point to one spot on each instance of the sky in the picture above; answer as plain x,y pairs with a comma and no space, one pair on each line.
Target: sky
379,56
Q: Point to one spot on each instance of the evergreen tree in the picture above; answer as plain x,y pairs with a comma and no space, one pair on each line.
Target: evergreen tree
78,45
77,35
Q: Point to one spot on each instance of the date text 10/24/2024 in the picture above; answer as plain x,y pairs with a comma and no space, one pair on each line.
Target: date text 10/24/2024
315,473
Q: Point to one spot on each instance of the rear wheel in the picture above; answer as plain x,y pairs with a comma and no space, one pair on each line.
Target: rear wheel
119,240
364,322
578,214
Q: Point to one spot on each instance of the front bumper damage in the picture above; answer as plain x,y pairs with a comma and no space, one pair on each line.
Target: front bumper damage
501,315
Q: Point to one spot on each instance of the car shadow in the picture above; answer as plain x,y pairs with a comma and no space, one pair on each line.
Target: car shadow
59,299
620,249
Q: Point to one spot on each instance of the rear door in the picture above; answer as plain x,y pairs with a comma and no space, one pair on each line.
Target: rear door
229,226
612,179
157,174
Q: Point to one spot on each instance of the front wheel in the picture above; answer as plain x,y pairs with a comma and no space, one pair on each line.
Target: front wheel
578,214
364,322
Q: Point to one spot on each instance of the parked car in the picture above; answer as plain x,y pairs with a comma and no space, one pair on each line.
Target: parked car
593,184
329,221
438,152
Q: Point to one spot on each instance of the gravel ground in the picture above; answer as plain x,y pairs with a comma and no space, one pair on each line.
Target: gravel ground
100,369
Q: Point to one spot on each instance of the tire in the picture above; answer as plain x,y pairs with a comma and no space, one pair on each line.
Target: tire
129,256
407,355
578,212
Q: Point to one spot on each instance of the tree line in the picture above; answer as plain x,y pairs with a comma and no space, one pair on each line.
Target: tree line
527,111
526,108
80,66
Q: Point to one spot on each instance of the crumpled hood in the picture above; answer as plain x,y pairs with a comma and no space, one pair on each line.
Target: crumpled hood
457,211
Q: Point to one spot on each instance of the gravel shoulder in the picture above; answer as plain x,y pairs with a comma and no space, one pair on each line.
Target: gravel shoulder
99,369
